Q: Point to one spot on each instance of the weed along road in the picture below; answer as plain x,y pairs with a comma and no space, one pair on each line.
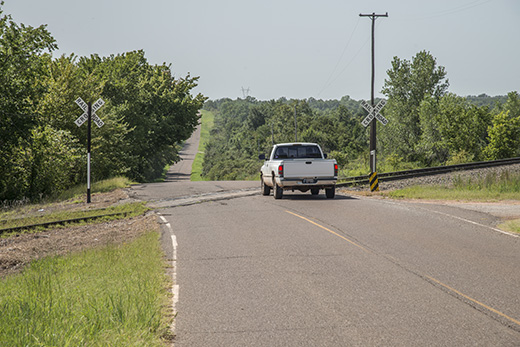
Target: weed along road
311,271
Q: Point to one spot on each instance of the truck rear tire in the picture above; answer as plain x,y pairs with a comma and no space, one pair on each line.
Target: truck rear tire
277,190
330,192
266,190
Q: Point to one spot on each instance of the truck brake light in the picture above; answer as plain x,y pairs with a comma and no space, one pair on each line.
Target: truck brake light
335,169
280,170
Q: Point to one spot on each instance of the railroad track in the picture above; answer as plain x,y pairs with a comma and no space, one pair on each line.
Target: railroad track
61,222
399,175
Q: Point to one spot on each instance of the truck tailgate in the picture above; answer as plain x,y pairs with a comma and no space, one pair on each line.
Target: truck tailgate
308,168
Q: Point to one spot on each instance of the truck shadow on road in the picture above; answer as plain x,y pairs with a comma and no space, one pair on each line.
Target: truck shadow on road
309,197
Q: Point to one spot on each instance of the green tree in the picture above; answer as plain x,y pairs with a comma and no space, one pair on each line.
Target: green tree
54,159
24,55
154,112
504,137
245,127
512,105
147,113
451,127
431,147
407,85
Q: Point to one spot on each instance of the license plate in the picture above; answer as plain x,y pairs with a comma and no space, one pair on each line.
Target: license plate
309,180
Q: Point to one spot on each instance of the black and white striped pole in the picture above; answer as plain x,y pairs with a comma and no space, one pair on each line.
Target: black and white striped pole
89,115
89,140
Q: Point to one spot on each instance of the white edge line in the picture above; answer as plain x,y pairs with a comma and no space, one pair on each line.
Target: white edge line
464,220
174,241
175,287
481,225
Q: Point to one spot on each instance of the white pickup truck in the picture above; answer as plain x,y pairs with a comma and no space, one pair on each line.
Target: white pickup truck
298,166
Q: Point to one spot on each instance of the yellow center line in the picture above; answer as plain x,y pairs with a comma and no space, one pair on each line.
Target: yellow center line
430,278
330,231
475,301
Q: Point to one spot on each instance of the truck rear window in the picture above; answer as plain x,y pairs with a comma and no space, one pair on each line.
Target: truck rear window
295,152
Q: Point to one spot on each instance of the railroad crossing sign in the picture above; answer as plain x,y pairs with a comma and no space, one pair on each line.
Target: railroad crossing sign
374,112
89,114
84,106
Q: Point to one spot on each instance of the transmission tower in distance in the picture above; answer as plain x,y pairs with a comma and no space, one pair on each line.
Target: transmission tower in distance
245,92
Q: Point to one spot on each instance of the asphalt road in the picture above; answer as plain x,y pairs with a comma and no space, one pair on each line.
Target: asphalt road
349,271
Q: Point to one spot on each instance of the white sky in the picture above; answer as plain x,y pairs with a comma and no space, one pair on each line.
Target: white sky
292,48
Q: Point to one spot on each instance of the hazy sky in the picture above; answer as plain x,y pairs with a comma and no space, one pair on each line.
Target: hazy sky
292,48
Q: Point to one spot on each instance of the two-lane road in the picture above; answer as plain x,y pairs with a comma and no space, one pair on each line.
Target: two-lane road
308,271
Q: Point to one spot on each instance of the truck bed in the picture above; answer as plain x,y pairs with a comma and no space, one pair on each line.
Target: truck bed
308,168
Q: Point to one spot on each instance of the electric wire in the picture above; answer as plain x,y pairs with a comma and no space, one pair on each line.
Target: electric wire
348,64
326,84
447,12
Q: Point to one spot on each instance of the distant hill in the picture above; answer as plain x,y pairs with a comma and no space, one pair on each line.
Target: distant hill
486,100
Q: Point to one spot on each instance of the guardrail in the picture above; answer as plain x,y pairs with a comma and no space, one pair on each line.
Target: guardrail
397,175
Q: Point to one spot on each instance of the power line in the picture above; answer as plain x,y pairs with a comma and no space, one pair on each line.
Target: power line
327,84
447,12
345,68
460,8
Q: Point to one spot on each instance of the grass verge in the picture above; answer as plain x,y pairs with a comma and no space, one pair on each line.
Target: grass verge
444,193
207,121
491,187
114,296
511,226
97,187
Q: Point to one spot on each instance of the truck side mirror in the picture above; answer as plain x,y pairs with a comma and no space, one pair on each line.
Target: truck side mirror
261,156
325,155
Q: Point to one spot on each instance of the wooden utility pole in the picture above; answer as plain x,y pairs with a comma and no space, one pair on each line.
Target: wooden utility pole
295,126
373,123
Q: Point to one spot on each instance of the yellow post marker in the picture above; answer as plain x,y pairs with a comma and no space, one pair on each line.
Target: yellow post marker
374,183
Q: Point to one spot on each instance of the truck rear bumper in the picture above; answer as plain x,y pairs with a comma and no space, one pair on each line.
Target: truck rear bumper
297,183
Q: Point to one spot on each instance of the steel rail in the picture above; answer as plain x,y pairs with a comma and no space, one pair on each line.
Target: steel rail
398,175
60,222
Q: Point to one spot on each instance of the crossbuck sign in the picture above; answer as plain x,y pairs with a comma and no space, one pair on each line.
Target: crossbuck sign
373,112
84,106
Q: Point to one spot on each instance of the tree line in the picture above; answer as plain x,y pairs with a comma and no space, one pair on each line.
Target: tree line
245,128
42,151
428,125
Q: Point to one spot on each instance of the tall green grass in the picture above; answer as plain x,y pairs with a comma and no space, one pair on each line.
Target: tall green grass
207,122
96,187
361,165
12,209
504,182
491,187
114,296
